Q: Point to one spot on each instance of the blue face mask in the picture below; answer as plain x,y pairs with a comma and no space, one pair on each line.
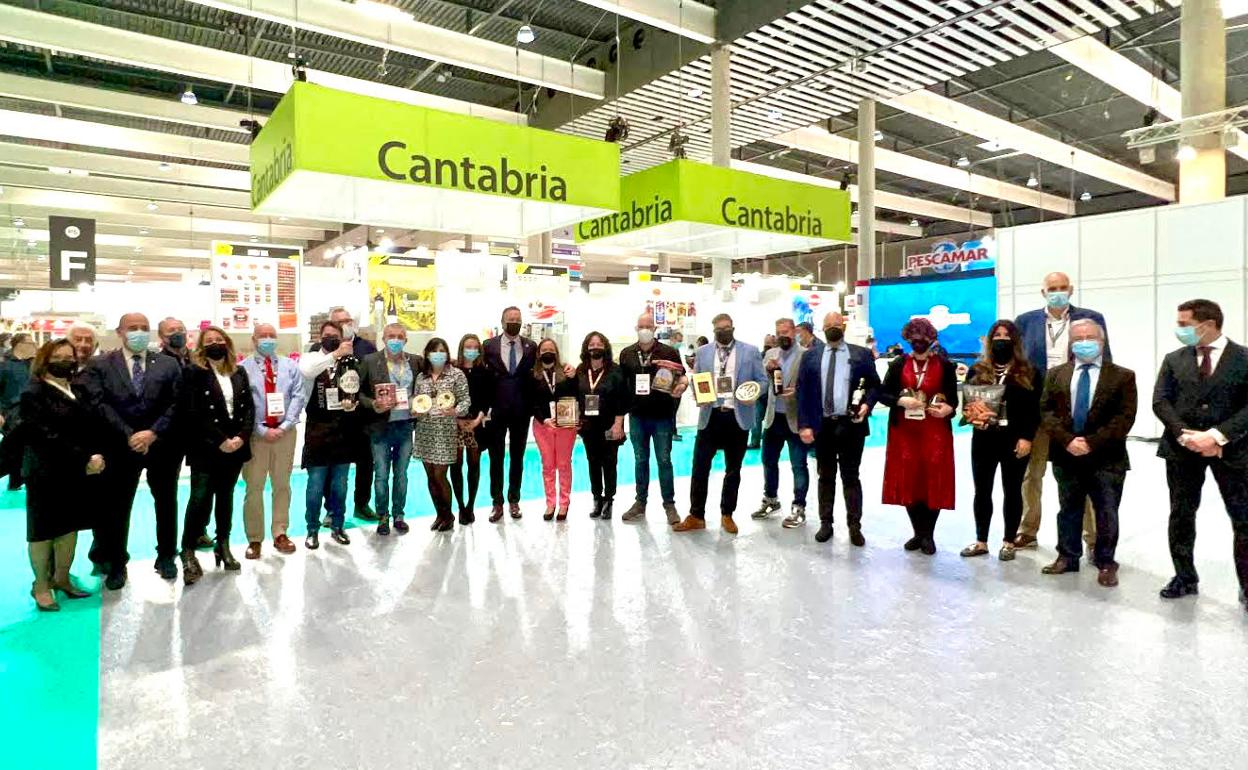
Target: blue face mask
395,346
266,345
471,354
137,341
1187,335
438,358
1086,351
1058,300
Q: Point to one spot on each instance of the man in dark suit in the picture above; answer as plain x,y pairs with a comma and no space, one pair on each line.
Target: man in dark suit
363,453
1087,409
837,387
137,391
509,357
1202,400
1046,343
172,334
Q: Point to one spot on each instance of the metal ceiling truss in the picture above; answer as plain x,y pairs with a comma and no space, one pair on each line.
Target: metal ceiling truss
1225,123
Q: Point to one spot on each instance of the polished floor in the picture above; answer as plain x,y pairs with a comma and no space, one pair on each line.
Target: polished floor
536,645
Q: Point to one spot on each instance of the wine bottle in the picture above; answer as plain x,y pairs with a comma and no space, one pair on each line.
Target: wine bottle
777,380
858,398
347,377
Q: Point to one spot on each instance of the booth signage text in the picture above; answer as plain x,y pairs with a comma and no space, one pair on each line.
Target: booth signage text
71,248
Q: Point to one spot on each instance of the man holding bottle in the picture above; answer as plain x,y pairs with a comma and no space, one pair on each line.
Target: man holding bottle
780,425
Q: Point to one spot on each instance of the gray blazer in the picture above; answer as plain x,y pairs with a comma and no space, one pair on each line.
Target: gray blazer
373,370
790,381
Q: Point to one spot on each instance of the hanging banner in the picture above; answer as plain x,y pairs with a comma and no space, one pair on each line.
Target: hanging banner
71,250
253,283
950,257
670,298
540,291
404,290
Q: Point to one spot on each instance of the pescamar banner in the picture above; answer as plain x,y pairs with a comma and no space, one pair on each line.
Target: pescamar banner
404,290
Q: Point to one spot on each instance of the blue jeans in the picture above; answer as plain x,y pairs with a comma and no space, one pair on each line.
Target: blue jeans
643,430
329,481
392,448
774,438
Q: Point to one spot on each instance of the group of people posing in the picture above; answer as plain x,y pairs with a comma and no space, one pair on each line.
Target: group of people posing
1045,390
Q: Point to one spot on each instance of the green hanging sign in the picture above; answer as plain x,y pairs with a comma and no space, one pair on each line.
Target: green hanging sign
686,191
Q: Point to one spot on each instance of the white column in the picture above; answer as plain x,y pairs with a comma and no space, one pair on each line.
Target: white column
1202,60
866,190
721,144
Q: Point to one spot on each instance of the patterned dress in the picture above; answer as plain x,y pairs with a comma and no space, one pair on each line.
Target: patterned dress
437,433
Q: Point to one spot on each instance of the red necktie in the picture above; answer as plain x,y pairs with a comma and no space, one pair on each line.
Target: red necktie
270,386
1206,361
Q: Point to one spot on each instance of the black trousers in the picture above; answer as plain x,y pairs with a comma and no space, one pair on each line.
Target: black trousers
211,488
1103,487
839,447
517,426
121,480
990,448
601,456
1186,477
466,496
721,433
363,472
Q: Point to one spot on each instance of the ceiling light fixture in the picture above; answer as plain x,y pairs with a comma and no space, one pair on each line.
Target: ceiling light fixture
19,222
695,93
165,167
775,115
525,35
189,97
143,231
1085,196
1032,181
386,244
151,206
962,162
914,222
382,11
1185,153
879,135
254,239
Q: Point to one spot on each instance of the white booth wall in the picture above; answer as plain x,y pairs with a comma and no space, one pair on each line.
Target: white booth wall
1135,267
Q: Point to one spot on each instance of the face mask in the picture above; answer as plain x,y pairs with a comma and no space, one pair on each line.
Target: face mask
512,329
1086,350
1058,300
597,353
834,334
177,340
645,336
785,342
1002,351
137,341
348,331
266,345
920,346
548,358
471,354
724,336
62,370
330,344
437,359
395,346
216,351
1187,335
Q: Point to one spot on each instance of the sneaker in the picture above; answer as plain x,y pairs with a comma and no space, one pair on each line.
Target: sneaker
366,513
673,518
312,541
796,517
769,506
383,526
636,512
327,522
400,525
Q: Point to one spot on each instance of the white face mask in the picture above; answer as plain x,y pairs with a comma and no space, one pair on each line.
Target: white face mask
645,336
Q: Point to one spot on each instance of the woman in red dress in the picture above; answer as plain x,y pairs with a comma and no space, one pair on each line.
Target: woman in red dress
922,391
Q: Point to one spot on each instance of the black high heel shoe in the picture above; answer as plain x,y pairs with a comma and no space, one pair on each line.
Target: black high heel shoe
447,523
221,555
549,515
563,515
606,511
70,591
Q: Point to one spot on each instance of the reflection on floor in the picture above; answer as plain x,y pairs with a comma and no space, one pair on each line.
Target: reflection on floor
535,645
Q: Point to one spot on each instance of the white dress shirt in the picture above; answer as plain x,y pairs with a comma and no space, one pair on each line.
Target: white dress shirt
1215,355
1057,338
729,369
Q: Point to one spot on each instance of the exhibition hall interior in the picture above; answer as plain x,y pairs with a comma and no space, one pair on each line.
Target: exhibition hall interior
623,384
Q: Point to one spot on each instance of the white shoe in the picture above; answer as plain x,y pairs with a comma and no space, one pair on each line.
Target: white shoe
796,518
770,505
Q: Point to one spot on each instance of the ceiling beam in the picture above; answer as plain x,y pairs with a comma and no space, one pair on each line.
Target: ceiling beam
349,21
37,157
134,49
680,17
820,142
153,192
968,120
49,128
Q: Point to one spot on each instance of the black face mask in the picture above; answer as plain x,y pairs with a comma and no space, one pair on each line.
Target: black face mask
330,344
724,336
62,370
597,353
920,346
512,329
548,358
217,351
1002,351
834,334
784,342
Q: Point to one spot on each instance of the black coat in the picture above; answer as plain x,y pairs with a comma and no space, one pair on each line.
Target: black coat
1022,411
59,436
511,389
481,386
539,397
890,391
111,391
1183,400
208,423
1110,417
614,399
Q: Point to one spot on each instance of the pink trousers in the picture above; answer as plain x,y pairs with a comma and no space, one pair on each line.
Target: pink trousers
555,446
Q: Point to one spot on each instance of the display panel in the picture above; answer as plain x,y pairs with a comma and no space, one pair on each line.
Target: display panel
961,306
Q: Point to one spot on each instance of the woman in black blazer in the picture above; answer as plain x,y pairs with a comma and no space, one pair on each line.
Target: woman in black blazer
219,419
64,442
472,428
603,403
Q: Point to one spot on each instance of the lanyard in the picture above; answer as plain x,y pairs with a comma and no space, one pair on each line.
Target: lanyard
724,355
593,381
550,381
919,374
1001,373
1061,329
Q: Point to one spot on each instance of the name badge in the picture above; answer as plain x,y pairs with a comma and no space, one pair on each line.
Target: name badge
723,386
591,405
274,405
916,414
400,398
643,385
333,400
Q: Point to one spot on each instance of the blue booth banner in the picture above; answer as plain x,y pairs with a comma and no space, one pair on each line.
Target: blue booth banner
961,305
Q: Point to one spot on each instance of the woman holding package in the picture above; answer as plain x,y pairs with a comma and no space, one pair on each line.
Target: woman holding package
471,427
922,390
603,402
64,442
553,395
220,415
440,400
1002,402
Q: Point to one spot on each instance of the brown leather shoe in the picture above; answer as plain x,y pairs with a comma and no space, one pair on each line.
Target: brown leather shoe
283,544
1108,576
496,514
1025,541
1060,566
253,550
728,525
689,524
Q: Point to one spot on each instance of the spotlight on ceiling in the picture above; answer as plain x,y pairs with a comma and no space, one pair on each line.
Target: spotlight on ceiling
845,181
189,97
19,222
254,239
879,136
445,75
1032,181
165,167
1185,153
914,222
144,231
962,162
1085,196
695,93
525,35
151,206
775,115
1150,117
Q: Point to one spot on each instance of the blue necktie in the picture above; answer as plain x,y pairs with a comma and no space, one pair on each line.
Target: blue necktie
136,372
511,363
1083,397
829,391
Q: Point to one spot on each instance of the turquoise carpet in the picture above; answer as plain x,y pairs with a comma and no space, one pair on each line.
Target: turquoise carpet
50,662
